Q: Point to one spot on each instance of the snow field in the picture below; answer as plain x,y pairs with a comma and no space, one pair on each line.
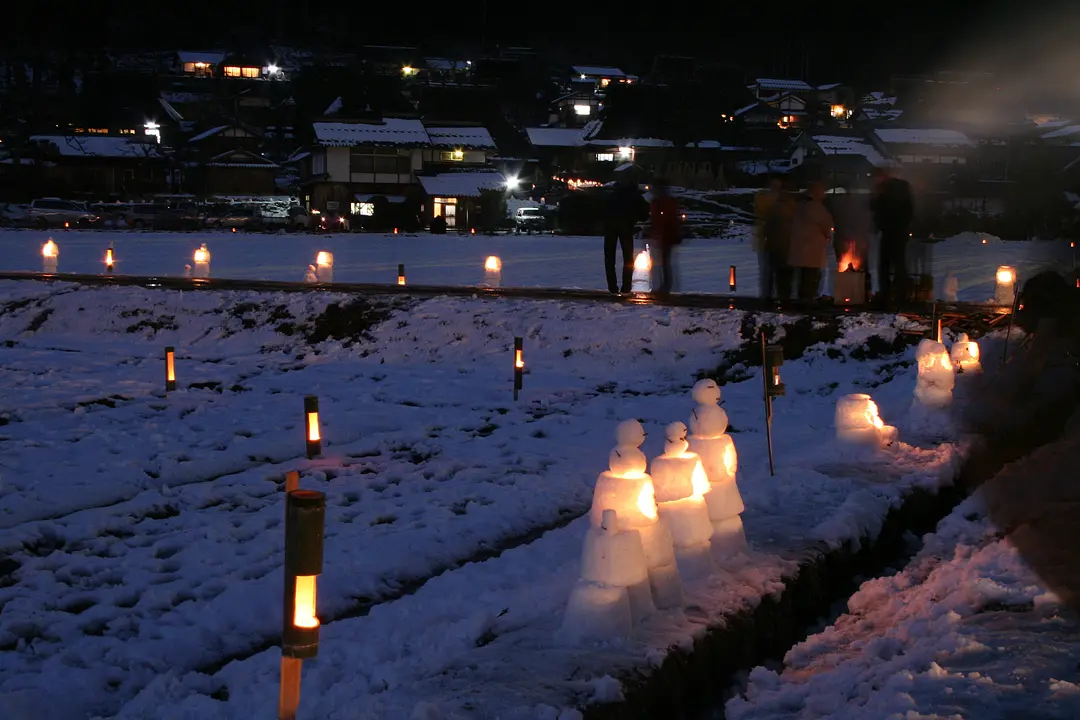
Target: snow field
154,552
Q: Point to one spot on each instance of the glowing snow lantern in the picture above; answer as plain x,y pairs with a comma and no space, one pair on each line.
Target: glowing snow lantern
642,277
643,261
401,274
858,422
492,271
324,266
965,355
628,490
680,484
936,379
50,256
109,259
312,434
311,275
1006,285
170,369
613,589
202,262
709,439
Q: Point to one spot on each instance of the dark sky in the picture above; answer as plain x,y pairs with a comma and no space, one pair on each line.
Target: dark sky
833,40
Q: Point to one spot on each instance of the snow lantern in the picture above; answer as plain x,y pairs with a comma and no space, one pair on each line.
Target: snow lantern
965,355
109,258
492,271
628,490
324,267
202,262
681,487
642,278
709,439
934,385
858,422
50,256
312,274
614,582
951,288
1005,288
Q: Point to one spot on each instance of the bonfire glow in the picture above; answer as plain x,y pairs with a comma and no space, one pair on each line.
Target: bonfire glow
850,259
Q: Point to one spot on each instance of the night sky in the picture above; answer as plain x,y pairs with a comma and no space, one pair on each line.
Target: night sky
861,42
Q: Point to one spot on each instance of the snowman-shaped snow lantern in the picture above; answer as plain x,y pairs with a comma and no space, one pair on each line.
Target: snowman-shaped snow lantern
628,490
965,355
709,439
681,486
934,385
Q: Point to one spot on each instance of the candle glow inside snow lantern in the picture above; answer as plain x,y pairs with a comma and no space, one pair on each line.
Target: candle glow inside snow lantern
202,262
936,379
709,439
1005,288
50,256
965,355
492,271
109,259
628,490
324,267
681,485
858,422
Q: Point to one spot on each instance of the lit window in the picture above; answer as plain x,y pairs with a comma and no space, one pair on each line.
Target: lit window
232,71
189,67
604,82
605,157
459,155
250,72
98,131
583,110
363,208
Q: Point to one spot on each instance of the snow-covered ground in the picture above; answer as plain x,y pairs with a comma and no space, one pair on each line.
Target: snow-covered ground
141,535
966,630
527,260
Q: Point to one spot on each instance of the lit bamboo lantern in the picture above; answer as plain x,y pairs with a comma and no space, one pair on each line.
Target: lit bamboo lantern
305,522
395,231
324,267
311,426
170,369
492,271
858,422
965,355
50,256
109,259
401,274
519,366
202,262
1006,285
731,278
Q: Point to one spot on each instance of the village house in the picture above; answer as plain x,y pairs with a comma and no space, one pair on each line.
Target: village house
839,160
99,167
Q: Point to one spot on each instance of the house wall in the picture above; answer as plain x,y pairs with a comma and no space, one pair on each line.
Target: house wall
445,155
239,181
337,163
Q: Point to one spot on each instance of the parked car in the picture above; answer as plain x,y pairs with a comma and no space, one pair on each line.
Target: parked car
295,220
332,222
54,212
234,216
14,215
148,217
528,219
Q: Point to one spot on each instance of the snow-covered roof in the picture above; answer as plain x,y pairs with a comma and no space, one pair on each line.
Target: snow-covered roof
1062,132
879,113
102,146
461,184
878,98
464,137
210,58
241,159
334,107
391,131
774,84
555,137
924,136
170,110
631,142
848,145
446,64
828,86
209,133
598,71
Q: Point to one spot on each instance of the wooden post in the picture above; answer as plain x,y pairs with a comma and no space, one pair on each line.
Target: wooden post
292,481
1008,330
768,401
289,696
938,334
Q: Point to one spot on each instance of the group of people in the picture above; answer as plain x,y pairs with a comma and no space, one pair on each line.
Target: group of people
794,232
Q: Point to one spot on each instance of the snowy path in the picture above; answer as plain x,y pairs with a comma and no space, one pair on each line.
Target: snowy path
527,261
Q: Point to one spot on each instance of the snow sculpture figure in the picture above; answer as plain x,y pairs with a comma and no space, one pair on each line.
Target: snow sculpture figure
965,355
310,276
681,486
613,587
628,490
709,439
950,287
858,422
934,385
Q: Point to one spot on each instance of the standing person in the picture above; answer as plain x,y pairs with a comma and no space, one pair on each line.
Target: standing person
777,231
624,207
811,236
763,205
894,209
666,234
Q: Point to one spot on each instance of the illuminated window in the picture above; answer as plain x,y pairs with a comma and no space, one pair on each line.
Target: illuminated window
127,131
363,208
583,110
250,72
605,157
604,82
452,156
98,131
80,130
232,71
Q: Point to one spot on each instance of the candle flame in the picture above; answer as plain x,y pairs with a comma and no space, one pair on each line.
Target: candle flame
324,258
1006,275
519,362
493,264
202,255
304,603
313,427
49,249
849,260
108,256
170,367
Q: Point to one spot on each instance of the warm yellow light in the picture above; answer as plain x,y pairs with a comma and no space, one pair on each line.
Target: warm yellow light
1006,275
313,427
304,603
984,241
459,155
643,261
731,459
202,255
519,362
67,224
646,501
493,264
838,111
699,481
170,367
408,71
108,256
324,258
400,279
49,249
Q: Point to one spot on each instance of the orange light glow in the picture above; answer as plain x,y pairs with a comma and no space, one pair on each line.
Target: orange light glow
519,362
699,481
400,279
984,241
109,257
1006,275
202,255
493,264
643,261
234,229
313,427
731,459
67,225
646,501
304,603
849,259
395,231
49,249
170,367
324,258
472,231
